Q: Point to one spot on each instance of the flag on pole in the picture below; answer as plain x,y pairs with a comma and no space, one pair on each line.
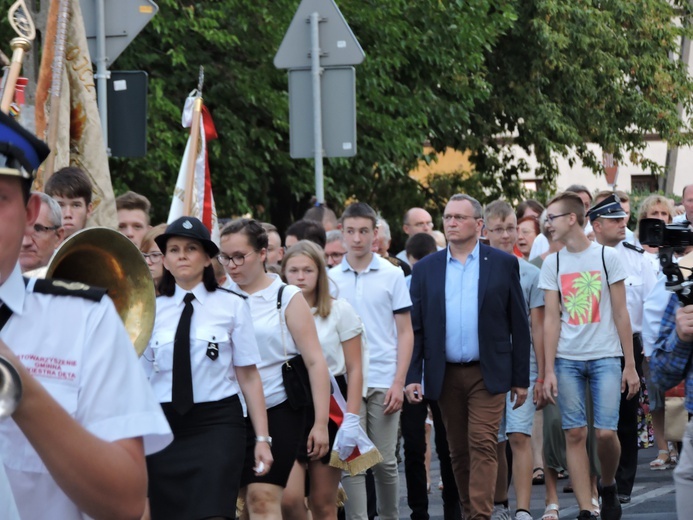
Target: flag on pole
79,140
202,201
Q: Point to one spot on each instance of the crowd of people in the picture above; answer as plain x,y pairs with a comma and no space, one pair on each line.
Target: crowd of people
525,336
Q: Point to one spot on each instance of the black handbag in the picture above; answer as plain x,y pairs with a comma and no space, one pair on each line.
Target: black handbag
294,371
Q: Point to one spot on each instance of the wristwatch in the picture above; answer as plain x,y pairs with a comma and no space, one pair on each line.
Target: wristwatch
264,438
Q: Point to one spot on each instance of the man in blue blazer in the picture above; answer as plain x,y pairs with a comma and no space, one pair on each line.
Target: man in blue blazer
471,347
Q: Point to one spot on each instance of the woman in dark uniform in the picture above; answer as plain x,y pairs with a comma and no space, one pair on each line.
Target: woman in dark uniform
201,355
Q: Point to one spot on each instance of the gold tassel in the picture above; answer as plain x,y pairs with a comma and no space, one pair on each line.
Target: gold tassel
356,466
341,497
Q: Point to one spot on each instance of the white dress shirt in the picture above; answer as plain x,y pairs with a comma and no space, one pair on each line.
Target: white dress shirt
639,282
220,322
80,352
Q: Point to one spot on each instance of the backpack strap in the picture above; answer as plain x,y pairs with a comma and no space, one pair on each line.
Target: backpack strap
605,271
558,279
279,297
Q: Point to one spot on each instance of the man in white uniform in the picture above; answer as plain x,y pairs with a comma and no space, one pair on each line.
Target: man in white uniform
75,445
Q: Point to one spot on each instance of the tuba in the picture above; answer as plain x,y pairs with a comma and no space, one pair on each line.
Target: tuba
105,258
10,388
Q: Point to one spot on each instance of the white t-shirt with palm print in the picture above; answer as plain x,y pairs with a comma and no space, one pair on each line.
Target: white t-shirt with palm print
588,330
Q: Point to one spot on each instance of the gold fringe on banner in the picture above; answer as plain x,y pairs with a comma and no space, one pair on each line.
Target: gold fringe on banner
357,465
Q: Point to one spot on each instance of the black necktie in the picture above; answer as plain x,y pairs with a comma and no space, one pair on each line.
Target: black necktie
182,390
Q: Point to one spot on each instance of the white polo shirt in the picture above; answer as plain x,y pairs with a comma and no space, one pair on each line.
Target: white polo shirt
377,293
80,352
268,333
221,325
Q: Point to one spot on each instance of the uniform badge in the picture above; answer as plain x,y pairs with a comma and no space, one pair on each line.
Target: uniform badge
187,224
213,351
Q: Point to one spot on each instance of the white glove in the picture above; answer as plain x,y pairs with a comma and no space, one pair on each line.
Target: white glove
347,436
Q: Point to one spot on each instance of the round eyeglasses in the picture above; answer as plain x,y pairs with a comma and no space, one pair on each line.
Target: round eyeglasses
237,259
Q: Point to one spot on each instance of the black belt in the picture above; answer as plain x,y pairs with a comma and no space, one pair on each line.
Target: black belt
463,363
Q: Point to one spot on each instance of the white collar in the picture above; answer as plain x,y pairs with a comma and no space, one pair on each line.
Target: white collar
199,291
13,291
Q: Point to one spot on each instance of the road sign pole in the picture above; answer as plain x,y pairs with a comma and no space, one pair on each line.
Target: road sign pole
316,72
102,69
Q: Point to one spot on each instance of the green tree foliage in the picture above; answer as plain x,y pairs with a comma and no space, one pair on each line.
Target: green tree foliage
572,73
474,75
424,62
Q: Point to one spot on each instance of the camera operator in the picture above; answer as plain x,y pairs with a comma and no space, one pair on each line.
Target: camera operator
671,363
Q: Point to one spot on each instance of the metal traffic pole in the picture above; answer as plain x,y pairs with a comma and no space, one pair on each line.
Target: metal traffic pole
316,73
102,73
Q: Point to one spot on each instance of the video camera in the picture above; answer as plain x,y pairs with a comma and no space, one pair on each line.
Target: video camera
670,239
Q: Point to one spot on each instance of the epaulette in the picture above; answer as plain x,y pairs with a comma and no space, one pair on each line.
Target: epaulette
220,288
399,263
394,261
633,247
68,288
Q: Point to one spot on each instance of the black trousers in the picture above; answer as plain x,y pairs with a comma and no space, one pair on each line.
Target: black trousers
628,429
413,423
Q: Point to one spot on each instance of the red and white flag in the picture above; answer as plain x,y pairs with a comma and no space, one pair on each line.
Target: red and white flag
364,455
202,206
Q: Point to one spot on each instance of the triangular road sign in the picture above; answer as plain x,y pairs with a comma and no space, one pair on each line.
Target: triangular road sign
338,45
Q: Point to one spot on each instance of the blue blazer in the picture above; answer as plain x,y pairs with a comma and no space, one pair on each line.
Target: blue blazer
504,337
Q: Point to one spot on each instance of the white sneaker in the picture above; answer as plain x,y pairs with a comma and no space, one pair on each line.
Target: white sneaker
523,515
500,512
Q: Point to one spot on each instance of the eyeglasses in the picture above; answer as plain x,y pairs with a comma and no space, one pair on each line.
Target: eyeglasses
459,218
154,258
237,260
499,231
334,256
526,232
39,229
550,218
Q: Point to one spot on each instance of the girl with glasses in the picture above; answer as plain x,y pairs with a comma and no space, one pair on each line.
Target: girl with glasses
284,328
152,254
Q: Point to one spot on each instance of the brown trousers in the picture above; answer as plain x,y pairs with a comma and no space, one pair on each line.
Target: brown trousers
472,417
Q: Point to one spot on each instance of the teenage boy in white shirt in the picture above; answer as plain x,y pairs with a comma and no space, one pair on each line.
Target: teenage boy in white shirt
586,332
378,292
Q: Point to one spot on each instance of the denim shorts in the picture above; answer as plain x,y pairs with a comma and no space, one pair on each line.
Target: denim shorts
520,420
604,377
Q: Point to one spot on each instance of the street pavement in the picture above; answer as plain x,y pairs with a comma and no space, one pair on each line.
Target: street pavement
652,498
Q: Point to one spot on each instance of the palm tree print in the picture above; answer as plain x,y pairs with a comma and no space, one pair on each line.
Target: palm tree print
581,295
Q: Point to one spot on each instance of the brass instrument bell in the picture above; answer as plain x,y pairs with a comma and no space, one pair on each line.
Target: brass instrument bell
103,257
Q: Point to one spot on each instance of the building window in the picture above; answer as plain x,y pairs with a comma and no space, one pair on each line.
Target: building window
643,182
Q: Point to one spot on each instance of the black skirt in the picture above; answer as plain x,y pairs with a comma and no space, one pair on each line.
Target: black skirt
332,428
198,475
286,427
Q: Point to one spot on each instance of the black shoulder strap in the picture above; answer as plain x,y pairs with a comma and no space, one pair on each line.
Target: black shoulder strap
67,288
635,248
220,288
605,271
558,279
279,297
